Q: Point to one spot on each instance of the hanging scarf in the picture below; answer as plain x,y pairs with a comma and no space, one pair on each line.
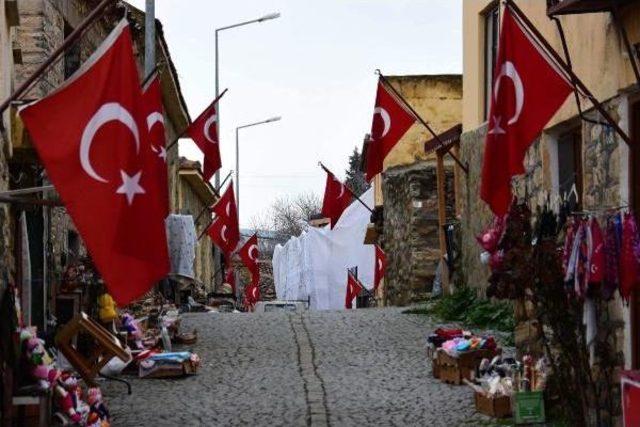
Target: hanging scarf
611,257
628,261
597,262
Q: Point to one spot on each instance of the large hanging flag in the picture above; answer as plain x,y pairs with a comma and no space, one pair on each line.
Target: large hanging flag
249,255
528,89
379,268
152,98
224,230
391,120
203,131
337,197
91,136
354,287
252,295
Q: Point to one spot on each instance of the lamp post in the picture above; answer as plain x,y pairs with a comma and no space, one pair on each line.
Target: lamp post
272,119
228,27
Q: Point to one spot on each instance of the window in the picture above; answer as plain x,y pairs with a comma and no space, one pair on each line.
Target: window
570,167
491,35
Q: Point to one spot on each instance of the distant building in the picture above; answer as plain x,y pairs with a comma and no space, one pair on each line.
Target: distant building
406,222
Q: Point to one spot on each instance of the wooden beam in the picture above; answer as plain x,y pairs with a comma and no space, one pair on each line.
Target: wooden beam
442,216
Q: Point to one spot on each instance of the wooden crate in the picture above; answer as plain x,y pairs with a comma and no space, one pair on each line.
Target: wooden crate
497,407
453,374
454,370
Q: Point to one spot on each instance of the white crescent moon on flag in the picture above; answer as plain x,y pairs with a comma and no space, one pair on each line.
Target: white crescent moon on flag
223,233
379,265
509,70
228,209
254,292
111,111
385,118
207,127
250,252
152,119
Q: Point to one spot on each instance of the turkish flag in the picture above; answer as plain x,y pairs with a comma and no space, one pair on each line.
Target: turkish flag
527,92
354,287
252,294
630,385
249,255
337,197
203,131
152,99
379,268
91,136
391,120
224,230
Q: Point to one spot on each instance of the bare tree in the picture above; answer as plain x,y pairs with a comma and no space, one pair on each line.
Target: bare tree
288,216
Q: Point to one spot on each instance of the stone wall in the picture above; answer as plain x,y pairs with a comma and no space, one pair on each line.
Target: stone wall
410,236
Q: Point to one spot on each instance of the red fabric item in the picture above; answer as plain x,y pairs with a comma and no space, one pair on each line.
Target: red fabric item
230,278
527,92
391,121
203,131
597,253
337,197
379,268
628,263
630,382
249,255
91,136
448,334
252,294
353,289
154,111
224,230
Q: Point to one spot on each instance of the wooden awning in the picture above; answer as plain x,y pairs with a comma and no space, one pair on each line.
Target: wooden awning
444,141
569,7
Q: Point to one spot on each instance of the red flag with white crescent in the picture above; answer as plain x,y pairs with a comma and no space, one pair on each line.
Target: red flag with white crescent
379,268
230,278
203,131
391,120
354,287
224,230
528,89
249,255
152,99
337,197
91,136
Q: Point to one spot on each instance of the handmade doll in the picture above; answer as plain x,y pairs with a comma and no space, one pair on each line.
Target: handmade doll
97,406
41,367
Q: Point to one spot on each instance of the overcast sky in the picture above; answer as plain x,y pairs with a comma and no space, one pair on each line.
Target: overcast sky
314,66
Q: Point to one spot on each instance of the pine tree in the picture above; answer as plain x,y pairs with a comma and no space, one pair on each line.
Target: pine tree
355,177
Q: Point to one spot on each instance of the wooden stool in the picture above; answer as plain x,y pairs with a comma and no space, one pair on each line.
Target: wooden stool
107,346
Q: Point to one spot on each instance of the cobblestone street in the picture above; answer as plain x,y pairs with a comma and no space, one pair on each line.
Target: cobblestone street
361,367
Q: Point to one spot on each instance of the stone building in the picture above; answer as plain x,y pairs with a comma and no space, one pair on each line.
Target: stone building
571,154
44,24
193,197
407,190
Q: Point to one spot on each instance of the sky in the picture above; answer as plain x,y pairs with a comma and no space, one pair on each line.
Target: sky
314,66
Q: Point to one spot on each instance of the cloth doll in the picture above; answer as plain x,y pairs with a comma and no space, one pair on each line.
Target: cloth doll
97,406
133,329
71,386
41,367
64,401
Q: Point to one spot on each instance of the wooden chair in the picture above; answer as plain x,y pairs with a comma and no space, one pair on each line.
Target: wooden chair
107,346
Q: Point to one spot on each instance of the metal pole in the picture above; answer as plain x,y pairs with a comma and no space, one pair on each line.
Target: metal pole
149,37
93,16
238,174
217,176
346,186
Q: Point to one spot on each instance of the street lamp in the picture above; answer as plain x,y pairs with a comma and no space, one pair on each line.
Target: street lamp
272,119
253,21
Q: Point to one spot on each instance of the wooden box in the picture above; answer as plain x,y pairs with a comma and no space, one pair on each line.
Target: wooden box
497,407
454,370
453,374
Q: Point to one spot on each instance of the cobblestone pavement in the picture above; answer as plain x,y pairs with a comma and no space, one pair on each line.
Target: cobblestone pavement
360,367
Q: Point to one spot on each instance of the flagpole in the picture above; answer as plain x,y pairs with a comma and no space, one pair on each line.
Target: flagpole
345,186
69,41
175,141
562,64
464,167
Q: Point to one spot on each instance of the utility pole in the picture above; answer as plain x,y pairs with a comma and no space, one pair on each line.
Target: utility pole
149,37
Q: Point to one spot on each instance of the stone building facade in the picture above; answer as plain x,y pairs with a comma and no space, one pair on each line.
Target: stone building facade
407,190
571,155
44,24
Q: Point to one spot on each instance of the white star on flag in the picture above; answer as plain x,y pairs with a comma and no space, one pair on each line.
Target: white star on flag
163,154
130,186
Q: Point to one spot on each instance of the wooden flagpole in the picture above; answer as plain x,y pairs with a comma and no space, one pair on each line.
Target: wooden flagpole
388,84
345,186
175,141
578,84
